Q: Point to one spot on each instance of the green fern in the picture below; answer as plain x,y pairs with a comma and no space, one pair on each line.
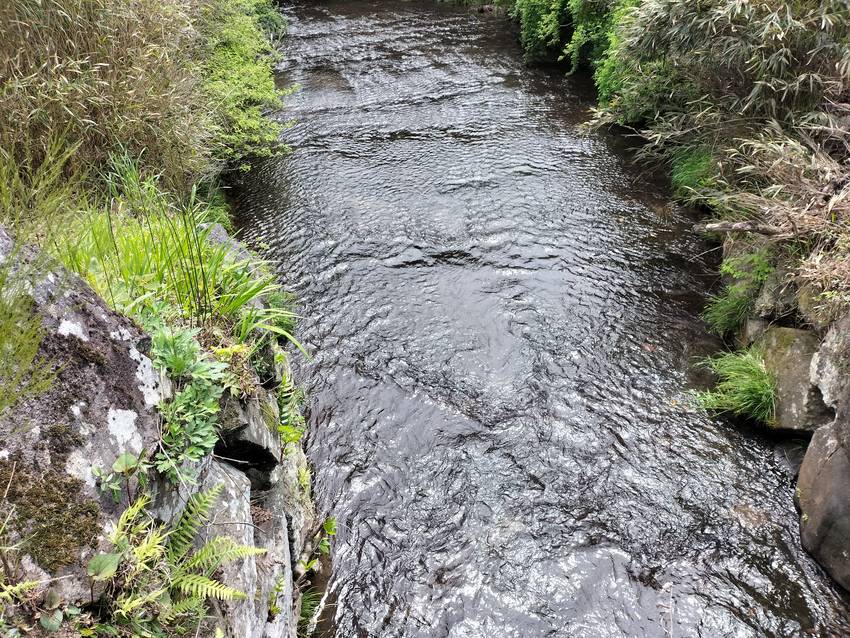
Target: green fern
194,515
218,551
158,585
200,586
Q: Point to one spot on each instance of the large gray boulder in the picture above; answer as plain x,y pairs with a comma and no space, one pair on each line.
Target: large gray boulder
101,403
788,356
822,495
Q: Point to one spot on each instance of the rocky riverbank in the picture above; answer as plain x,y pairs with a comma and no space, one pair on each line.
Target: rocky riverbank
104,404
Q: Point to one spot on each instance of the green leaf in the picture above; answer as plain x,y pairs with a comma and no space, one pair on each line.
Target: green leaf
330,526
52,621
104,566
125,464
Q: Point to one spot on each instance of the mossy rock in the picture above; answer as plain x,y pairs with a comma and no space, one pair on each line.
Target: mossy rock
788,355
50,513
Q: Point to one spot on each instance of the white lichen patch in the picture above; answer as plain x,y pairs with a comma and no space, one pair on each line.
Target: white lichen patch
4,454
122,428
79,465
148,378
122,334
67,328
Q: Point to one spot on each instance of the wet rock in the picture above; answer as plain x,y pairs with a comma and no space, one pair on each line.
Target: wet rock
822,490
830,368
100,404
788,355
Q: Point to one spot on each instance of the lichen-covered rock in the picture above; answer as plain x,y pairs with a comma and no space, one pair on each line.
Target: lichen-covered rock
830,368
778,295
788,356
100,404
822,490
809,308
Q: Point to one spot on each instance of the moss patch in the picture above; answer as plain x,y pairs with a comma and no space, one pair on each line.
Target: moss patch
51,515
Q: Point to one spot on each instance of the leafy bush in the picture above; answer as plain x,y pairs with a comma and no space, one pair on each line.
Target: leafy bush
745,388
238,78
157,583
761,85
726,312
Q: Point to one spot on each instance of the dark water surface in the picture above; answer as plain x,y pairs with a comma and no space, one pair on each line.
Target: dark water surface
503,312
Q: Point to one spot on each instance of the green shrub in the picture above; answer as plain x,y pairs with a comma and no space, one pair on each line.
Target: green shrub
237,71
190,428
152,258
542,27
744,388
726,311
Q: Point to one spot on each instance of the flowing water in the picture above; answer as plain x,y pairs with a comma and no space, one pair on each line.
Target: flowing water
503,312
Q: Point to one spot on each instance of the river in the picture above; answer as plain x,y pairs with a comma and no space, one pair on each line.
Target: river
503,311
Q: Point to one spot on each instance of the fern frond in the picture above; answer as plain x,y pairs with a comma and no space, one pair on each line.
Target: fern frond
191,605
128,522
203,587
220,550
194,515
150,549
126,604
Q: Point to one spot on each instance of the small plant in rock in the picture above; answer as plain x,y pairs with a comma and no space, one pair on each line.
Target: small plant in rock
190,429
125,468
744,388
310,600
726,311
157,582
290,400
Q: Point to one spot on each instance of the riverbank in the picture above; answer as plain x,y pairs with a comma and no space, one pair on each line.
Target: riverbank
746,105
151,473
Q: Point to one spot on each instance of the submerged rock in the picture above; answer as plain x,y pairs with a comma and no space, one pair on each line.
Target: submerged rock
788,356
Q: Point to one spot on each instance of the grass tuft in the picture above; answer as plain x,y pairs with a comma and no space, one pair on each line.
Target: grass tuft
726,311
745,387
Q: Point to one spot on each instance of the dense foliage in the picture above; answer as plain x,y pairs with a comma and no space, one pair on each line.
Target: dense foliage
747,101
